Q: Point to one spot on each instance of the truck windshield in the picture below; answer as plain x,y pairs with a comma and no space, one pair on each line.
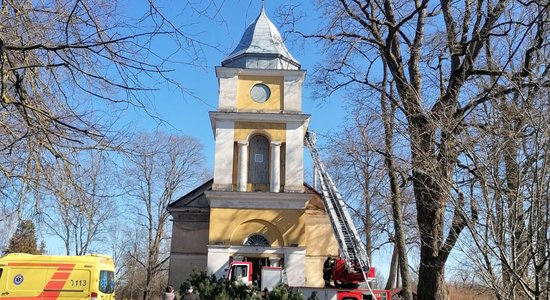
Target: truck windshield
106,281
240,272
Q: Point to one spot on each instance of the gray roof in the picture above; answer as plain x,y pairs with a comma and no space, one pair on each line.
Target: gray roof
193,199
261,47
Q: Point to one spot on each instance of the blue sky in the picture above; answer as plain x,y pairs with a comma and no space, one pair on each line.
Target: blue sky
188,114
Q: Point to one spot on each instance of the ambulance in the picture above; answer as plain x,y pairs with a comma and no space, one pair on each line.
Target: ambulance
35,277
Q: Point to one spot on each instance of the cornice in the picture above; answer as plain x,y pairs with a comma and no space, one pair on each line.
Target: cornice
228,72
257,200
258,117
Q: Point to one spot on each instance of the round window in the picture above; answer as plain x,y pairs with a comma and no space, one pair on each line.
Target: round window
260,92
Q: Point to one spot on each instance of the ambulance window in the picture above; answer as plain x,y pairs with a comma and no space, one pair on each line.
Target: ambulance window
106,281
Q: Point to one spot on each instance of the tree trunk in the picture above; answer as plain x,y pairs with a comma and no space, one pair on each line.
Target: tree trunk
431,278
390,283
397,210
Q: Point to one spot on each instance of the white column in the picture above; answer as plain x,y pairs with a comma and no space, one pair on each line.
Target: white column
275,181
294,158
242,171
223,157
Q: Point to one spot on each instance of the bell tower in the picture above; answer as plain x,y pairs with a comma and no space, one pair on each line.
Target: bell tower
259,125
257,207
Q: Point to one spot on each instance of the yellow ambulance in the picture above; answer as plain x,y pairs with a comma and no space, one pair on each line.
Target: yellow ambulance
35,277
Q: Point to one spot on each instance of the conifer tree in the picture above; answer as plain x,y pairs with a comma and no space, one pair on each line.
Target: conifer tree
24,240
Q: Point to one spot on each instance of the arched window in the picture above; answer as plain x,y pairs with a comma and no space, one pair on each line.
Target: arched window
257,240
258,163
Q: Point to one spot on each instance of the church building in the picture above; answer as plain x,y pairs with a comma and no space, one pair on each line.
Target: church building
257,207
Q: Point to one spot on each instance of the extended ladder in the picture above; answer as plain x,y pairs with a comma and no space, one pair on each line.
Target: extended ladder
351,247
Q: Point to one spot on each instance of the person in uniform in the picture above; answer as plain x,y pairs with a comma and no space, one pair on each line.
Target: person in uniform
327,270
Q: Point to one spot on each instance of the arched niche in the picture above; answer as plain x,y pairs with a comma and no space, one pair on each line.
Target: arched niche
258,162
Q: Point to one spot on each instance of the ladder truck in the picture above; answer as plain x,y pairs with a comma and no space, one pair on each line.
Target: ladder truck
352,268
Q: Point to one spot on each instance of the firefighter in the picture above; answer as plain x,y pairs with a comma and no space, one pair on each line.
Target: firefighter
327,270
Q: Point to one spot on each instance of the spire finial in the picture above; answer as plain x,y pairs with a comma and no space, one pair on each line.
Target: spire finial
262,12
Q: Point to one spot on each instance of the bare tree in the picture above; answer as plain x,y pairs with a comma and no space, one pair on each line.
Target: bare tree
367,164
81,201
130,274
162,167
70,69
356,167
506,165
390,161
433,51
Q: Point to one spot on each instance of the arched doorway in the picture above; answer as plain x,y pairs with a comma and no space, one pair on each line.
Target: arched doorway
258,163
259,261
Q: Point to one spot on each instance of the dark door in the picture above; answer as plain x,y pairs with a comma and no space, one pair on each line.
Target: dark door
257,264
258,163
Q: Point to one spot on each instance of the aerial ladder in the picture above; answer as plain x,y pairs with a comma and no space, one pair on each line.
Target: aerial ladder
353,254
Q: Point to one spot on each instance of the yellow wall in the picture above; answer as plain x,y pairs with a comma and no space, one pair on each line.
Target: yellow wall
275,101
321,242
314,271
281,227
321,236
275,132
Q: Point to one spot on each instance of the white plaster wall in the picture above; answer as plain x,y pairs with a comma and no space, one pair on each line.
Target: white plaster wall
293,92
223,156
228,80
295,266
294,164
218,261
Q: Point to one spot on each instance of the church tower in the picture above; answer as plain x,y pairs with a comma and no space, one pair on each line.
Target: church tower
257,207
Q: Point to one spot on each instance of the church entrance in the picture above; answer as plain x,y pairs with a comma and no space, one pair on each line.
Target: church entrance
257,264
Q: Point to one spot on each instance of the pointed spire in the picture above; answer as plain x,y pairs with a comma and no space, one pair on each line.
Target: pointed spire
261,47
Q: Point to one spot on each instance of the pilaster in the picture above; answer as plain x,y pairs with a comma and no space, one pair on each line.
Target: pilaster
242,171
275,180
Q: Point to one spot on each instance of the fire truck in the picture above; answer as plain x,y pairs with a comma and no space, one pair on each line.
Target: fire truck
349,271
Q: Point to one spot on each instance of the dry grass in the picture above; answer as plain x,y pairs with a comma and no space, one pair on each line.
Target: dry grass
465,293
